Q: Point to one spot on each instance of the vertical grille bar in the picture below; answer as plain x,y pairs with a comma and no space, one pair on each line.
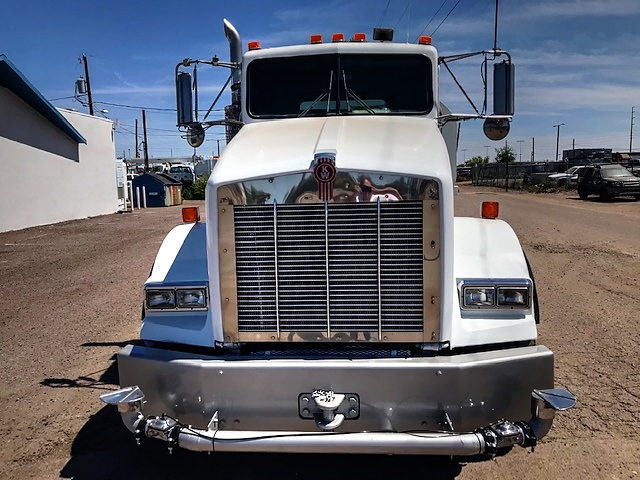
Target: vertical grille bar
326,265
275,252
379,276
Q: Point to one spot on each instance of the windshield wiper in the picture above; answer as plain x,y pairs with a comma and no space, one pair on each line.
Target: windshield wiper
360,102
320,97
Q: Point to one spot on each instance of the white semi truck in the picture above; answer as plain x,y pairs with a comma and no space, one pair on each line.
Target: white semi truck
332,302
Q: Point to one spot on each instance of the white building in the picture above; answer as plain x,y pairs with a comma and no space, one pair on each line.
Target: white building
56,165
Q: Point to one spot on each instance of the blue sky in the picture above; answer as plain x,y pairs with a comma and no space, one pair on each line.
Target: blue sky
577,61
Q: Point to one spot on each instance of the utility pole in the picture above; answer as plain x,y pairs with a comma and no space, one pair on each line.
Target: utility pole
86,74
146,148
533,149
631,134
137,149
558,138
464,155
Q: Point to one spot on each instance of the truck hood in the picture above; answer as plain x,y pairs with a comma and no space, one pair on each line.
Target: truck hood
362,143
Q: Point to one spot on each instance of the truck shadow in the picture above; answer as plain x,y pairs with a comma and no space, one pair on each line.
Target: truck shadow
105,449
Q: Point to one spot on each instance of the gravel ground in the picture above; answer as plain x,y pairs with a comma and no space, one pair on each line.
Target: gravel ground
71,298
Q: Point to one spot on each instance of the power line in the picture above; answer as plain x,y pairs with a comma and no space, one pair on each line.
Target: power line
137,107
402,15
431,20
61,98
384,13
447,16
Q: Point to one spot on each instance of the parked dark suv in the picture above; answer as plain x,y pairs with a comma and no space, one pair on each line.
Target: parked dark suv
608,181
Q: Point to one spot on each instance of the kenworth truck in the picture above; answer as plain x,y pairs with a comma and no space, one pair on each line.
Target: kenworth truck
332,302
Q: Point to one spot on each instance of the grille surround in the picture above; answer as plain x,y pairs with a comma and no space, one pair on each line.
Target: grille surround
349,269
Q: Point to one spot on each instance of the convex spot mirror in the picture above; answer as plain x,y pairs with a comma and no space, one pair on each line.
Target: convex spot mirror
195,135
496,128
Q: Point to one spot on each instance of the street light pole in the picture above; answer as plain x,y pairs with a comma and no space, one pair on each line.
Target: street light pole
558,138
631,134
520,142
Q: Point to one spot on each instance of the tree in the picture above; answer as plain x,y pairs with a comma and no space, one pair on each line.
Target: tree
477,160
505,154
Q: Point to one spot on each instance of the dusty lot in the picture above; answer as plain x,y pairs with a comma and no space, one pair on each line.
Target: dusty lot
71,297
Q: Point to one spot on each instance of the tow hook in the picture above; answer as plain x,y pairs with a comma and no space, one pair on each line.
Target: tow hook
328,402
327,408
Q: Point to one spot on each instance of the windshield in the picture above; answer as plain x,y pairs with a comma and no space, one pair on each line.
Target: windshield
339,84
615,171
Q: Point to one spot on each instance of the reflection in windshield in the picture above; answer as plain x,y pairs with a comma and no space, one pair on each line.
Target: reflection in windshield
339,84
615,171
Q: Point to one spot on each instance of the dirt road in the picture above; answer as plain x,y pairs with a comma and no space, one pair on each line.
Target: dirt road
71,296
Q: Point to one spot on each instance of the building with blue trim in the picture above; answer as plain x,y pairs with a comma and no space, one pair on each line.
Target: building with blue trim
57,164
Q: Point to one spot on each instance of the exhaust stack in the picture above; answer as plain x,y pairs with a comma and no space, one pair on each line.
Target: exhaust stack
232,112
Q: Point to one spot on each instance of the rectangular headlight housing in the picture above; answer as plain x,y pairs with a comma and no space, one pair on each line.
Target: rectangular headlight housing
507,293
187,298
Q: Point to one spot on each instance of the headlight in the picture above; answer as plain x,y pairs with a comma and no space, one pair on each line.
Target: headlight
495,293
479,296
513,297
191,298
160,299
618,184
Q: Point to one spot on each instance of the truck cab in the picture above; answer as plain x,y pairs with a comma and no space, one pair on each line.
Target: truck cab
332,301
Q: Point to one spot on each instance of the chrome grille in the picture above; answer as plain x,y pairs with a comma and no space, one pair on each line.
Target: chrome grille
329,267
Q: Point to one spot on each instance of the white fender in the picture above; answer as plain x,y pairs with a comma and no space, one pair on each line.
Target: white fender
180,261
488,249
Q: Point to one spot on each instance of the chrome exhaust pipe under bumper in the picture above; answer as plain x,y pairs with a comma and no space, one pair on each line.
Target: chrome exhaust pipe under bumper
485,441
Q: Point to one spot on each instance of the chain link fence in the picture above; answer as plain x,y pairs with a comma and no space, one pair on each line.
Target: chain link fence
515,175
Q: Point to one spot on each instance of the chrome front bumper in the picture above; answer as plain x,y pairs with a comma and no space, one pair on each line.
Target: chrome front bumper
442,405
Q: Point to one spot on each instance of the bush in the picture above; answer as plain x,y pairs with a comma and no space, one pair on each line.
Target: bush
195,190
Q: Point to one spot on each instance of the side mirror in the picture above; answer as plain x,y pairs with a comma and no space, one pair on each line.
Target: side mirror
503,88
184,99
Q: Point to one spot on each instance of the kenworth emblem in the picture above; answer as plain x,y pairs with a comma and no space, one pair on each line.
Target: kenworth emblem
325,173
